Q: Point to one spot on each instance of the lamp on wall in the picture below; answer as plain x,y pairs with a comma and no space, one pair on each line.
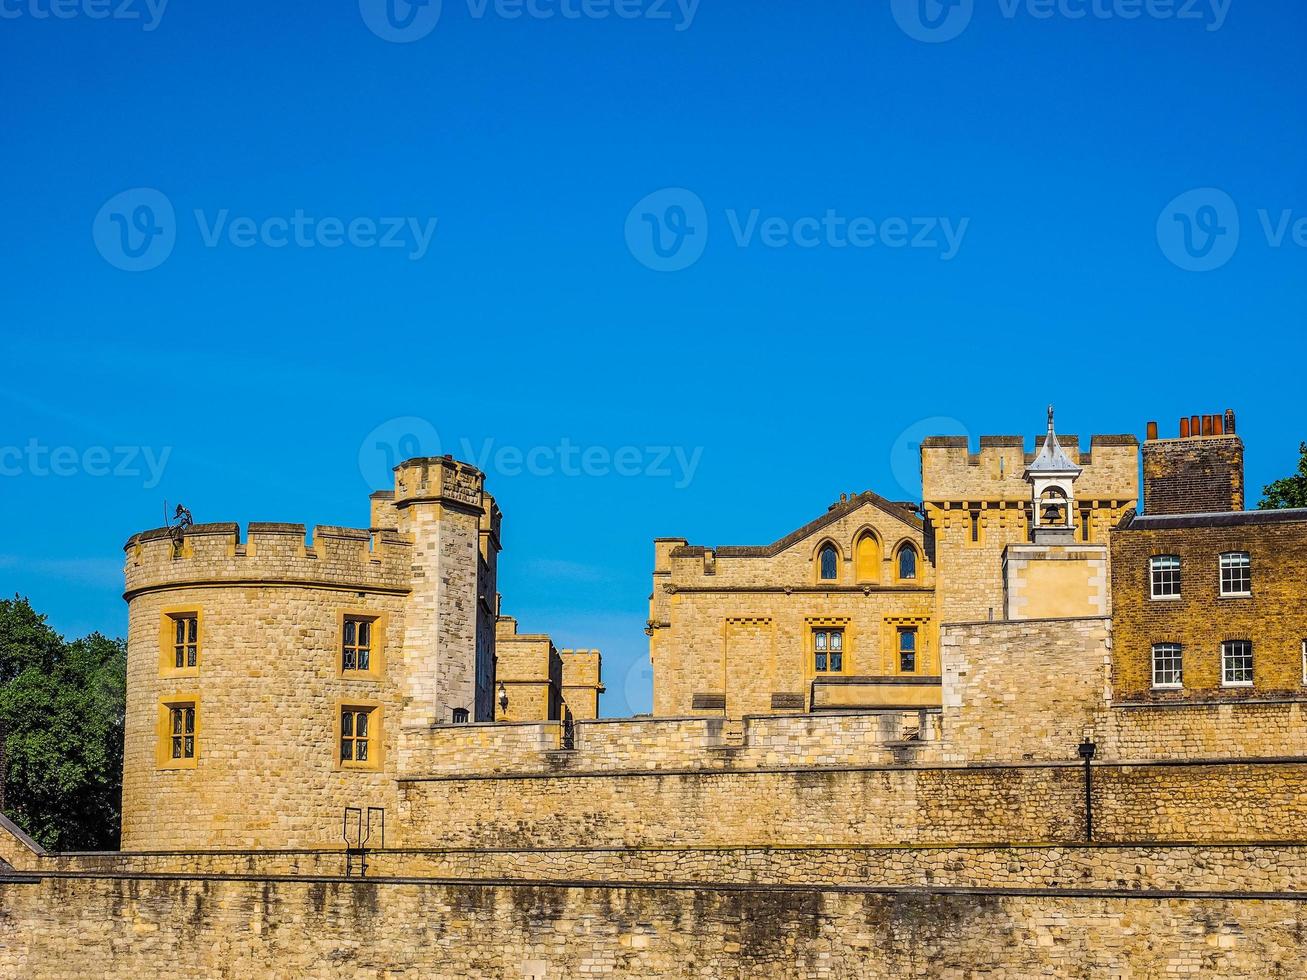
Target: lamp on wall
1087,750
503,697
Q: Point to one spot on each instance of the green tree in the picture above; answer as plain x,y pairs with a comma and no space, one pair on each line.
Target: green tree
1291,491
62,707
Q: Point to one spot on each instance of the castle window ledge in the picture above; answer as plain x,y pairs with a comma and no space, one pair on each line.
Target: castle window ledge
1235,595
1166,598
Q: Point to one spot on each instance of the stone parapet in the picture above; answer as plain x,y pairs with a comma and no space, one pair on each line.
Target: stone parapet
207,554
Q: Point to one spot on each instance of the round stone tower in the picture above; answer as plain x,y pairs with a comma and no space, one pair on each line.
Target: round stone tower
269,679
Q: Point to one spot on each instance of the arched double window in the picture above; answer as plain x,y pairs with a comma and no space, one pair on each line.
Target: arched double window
828,563
907,563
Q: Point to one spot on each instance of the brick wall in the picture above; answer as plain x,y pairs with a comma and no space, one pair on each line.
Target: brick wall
1196,475
1274,617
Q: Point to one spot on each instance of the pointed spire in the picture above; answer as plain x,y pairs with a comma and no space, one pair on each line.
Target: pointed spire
1052,457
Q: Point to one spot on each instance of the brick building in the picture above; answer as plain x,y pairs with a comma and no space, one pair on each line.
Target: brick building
1208,599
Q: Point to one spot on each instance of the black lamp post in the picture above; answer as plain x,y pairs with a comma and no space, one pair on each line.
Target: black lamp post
1087,751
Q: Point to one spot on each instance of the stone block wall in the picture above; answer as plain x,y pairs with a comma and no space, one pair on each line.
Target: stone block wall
143,926
918,806
1142,867
1024,690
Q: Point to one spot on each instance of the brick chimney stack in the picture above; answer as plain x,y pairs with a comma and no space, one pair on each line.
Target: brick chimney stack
1200,472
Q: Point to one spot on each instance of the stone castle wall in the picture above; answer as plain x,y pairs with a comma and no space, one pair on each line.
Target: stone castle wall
1133,867
905,805
222,927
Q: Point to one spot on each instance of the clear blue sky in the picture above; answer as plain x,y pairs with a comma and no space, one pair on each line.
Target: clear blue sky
532,317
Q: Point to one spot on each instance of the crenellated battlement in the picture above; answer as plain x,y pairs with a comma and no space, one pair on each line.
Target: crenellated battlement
438,478
269,554
950,471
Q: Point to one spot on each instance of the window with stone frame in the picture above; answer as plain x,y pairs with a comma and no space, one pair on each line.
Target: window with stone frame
181,731
357,735
356,644
185,640
1164,576
907,563
1236,573
1168,665
828,563
828,650
1237,663
908,650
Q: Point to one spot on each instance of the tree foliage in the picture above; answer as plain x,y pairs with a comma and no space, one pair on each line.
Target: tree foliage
62,707
1291,491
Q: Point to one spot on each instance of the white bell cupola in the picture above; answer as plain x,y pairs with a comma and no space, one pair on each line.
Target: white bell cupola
1052,477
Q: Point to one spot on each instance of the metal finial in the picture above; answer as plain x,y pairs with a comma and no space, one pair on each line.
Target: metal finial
1050,418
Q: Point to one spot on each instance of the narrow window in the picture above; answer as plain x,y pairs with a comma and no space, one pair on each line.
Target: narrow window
907,562
460,716
186,640
356,653
181,726
975,527
829,561
356,735
1164,576
1237,663
867,558
1168,665
1084,525
908,650
828,651
1236,573
1304,661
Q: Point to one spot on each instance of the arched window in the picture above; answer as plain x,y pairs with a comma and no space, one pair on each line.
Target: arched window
867,558
907,562
460,716
828,563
